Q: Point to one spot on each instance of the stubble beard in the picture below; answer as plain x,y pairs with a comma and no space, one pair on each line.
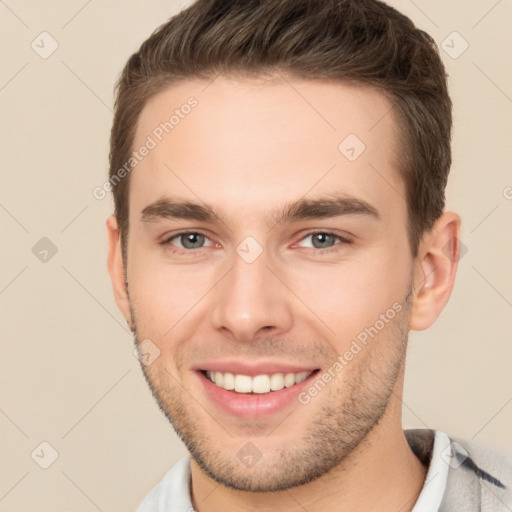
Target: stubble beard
336,429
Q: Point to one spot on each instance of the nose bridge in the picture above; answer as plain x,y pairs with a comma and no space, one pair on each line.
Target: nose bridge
251,298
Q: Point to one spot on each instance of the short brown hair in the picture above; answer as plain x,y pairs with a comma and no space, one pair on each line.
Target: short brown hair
351,41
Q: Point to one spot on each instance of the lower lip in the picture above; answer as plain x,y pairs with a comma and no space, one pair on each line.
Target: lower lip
253,405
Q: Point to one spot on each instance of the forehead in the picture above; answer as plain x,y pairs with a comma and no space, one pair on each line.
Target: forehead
254,142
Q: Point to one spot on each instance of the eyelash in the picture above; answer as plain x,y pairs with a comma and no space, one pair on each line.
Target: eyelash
328,250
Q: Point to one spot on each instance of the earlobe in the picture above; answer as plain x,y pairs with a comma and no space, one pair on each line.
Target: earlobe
116,268
435,271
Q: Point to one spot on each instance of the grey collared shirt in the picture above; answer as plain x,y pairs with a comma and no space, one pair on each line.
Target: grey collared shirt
462,476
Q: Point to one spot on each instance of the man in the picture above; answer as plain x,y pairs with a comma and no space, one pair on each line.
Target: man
278,170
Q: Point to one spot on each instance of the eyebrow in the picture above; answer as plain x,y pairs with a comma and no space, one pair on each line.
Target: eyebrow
302,209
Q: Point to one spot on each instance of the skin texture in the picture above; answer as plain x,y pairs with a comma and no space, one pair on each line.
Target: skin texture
248,148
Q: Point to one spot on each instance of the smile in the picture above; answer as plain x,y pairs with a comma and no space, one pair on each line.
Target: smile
261,384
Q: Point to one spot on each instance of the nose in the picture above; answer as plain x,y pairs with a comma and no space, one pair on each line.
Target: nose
251,301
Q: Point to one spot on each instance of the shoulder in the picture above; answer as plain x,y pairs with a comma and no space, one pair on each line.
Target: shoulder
483,471
172,492
474,478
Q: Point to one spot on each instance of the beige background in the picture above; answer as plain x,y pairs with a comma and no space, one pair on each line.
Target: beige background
68,375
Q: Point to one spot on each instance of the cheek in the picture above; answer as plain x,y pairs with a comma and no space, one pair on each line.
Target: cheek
349,297
166,296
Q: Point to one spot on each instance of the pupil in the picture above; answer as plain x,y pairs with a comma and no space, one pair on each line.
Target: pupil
192,240
324,240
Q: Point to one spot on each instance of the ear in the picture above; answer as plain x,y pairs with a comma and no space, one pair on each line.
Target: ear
116,268
435,269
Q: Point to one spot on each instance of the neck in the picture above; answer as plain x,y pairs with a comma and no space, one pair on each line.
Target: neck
382,473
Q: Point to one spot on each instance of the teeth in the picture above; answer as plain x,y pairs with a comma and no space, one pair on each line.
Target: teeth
228,381
259,384
276,382
289,380
299,377
243,383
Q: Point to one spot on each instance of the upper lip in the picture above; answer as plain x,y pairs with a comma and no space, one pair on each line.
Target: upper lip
252,368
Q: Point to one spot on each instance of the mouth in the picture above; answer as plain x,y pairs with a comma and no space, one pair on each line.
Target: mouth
254,397
258,384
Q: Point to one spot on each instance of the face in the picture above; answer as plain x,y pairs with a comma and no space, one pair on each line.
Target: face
268,252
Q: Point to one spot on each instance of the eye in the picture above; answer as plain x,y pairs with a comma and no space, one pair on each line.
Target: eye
324,240
320,241
188,240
